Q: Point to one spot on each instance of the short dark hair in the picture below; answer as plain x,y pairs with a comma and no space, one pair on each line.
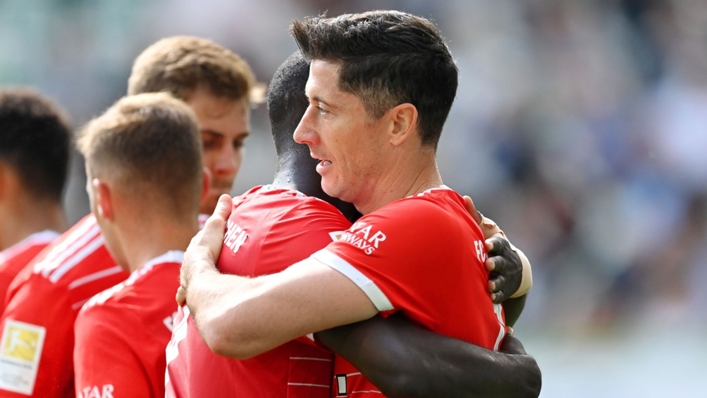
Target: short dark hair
287,102
150,145
387,58
180,64
35,140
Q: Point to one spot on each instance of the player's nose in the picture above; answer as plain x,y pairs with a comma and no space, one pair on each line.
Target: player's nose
305,132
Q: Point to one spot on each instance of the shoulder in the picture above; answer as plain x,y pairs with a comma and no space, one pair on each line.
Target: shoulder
427,209
316,207
276,210
81,248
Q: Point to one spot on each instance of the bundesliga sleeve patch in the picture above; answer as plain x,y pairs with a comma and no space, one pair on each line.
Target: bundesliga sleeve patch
20,351
335,236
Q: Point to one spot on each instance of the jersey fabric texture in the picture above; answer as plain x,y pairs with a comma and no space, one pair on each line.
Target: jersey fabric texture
121,333
42,304
16,257
268,230
414,255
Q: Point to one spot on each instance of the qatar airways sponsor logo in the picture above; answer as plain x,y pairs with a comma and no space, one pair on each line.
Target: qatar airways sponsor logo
364,237
235,236
104,391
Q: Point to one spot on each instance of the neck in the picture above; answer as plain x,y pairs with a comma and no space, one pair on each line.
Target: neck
143,239
409,174
27,216
298,172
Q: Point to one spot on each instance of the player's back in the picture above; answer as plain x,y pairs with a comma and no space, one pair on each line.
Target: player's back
43,301
271,228
123,331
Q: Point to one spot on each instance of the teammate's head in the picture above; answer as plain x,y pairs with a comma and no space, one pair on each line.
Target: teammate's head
218,85
386,58
34,143
145,150
287,103
179,65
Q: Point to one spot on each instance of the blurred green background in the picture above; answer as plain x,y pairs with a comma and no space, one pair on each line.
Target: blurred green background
580,126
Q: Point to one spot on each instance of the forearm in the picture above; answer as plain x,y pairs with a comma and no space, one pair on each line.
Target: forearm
405,361
512,308
215,301
242,317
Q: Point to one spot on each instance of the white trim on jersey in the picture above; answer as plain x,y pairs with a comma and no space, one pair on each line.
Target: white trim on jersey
79,304
439,188
37,238
310,359
70,263
172,256
309,385
498,310
95,276
202,220
67,248
374,293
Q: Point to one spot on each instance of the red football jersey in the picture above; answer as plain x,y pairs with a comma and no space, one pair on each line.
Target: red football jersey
122,333
414,256
42,303
14,258
268,230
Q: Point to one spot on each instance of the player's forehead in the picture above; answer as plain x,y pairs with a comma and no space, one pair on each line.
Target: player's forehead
323,81
229,118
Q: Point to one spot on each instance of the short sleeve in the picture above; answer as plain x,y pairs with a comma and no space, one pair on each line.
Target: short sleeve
403,256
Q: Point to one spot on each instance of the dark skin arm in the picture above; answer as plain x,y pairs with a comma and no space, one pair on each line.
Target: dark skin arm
406,361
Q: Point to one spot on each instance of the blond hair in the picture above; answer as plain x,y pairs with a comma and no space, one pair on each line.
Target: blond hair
149,145
179,65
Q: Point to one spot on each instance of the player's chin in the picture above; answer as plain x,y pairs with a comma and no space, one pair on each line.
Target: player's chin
334,190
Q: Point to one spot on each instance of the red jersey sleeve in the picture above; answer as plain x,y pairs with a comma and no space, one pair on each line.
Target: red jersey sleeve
407,256
101,361
38,305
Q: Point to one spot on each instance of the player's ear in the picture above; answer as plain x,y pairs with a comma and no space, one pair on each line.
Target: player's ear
205,183
104,199
403,124
8,180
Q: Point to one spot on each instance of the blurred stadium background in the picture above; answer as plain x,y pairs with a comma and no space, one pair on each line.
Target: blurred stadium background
580,126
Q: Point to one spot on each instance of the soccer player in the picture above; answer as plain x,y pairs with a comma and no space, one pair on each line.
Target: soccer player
47,295
143,163
218,85
276,225
34,158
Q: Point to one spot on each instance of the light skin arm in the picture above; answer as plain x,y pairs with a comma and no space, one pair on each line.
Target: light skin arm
242,317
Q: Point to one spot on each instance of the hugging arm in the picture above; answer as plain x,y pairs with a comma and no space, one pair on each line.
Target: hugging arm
405,361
